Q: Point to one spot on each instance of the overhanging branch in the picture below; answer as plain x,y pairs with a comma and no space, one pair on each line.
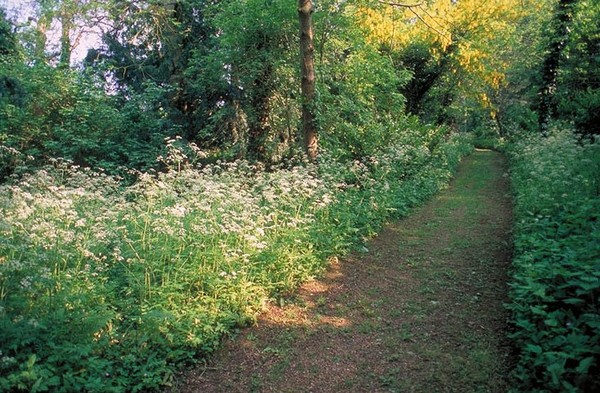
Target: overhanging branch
410,8
425,23
394,4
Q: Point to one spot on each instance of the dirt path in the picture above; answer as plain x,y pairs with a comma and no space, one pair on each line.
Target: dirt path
421,311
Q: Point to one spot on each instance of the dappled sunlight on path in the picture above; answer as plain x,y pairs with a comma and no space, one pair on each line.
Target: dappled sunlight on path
420,310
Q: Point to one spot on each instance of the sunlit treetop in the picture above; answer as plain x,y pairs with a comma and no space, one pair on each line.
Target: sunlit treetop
473,33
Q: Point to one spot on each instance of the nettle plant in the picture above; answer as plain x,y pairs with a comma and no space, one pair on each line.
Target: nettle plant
111,288
556,276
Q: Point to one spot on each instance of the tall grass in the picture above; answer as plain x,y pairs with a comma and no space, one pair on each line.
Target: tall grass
111,288
556,275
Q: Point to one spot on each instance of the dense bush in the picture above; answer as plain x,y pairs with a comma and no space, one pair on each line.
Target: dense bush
111,289
363,87
51,113
578,90
556,273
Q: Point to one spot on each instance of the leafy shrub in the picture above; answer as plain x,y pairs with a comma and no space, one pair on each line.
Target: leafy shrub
583,108
53,113
556,273
359,105
106,288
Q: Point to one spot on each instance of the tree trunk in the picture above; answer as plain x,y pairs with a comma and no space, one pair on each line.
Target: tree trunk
65,39
307,66
40,39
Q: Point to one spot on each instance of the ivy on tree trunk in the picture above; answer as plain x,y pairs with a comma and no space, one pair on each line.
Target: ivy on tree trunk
547,104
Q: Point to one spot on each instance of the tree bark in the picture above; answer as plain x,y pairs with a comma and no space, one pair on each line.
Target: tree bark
65,38
40,39
307,66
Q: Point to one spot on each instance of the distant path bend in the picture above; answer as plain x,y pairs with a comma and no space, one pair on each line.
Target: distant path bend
421,311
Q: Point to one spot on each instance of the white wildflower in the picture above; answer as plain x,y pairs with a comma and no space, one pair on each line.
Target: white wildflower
178,211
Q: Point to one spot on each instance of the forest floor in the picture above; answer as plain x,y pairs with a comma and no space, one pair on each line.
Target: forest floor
420,310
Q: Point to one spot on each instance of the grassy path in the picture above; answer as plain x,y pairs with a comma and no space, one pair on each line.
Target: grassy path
420,311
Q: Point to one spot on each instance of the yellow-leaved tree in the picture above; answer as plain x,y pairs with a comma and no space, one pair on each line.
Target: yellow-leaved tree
459,51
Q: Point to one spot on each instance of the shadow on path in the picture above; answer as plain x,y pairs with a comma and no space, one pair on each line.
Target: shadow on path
420,311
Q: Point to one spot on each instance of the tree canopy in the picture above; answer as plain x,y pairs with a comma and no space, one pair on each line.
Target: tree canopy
226,74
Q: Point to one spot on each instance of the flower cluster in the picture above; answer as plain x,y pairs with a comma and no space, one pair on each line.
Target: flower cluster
178,258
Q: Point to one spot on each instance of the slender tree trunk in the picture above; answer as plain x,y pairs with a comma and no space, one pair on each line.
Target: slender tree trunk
307,66
65,39
41,39
67,14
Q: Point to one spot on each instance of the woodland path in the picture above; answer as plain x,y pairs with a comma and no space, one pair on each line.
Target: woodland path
420,311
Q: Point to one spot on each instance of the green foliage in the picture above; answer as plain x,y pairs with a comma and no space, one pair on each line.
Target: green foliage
359,105
147,52
223,75
110,289
252,70
425,69
556,272
579,79
558,39
565,87
55,113
8,40
583,109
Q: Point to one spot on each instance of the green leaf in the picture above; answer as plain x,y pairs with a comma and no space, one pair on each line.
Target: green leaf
584,365
556,370
31,361
574,300
538,310
534,348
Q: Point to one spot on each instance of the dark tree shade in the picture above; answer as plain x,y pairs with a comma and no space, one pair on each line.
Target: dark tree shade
8,42
547,92
10,87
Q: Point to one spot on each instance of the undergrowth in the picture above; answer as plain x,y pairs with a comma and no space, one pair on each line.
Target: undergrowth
556,273
105,288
